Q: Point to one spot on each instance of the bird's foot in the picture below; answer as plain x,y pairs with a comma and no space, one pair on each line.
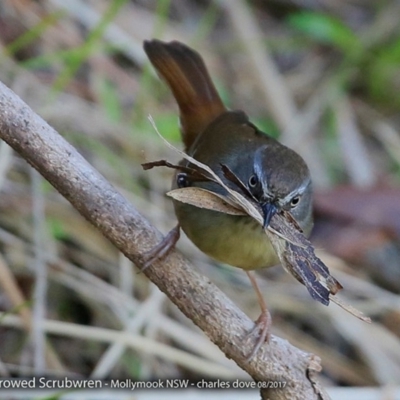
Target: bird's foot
260,332
161,249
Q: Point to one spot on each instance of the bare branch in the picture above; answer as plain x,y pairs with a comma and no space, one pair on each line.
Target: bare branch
131,233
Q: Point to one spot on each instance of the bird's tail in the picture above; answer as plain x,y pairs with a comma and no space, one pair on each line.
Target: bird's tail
186,74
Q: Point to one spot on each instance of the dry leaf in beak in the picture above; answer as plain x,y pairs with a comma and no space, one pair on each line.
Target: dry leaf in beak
203,198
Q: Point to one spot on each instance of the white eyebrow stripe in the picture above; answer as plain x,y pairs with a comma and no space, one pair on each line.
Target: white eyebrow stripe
298,191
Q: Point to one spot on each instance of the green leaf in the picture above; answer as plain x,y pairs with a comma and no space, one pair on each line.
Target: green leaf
325,29
57,228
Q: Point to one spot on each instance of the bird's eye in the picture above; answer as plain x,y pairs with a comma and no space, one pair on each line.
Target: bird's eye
253,181
182,180
295,201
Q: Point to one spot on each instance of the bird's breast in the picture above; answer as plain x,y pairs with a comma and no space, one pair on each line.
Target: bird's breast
235,240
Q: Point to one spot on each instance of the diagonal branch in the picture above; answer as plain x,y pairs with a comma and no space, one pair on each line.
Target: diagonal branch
200,300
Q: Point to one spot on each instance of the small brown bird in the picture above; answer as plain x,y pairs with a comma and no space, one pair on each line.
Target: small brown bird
277,177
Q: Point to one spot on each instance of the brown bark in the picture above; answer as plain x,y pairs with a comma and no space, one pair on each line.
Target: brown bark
132,234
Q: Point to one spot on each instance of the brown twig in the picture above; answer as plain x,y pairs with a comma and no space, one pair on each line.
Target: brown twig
130,232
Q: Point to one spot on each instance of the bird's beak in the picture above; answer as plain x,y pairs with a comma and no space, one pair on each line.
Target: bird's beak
269,210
